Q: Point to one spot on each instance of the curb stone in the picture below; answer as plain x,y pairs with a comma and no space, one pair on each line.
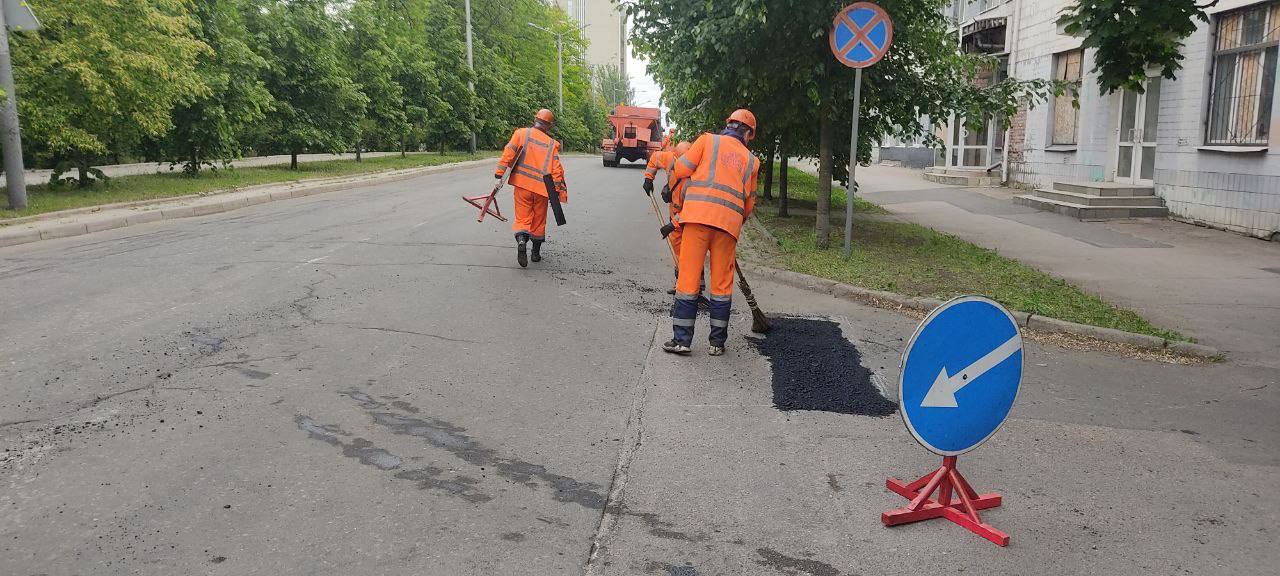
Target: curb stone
1024,319
88,220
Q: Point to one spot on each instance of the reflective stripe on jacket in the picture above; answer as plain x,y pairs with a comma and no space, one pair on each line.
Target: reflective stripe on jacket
722,183
533,154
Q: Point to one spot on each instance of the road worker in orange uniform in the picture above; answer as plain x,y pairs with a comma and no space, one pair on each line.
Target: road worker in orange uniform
714,204
664,161
531,154
673,194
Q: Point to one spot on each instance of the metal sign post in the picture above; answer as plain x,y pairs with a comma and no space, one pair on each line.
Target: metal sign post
860,36
960,376
14,15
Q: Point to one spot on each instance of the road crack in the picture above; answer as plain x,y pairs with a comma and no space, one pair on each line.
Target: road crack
397,331
634,437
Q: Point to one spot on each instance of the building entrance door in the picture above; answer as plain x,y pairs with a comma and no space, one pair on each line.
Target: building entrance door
1136,149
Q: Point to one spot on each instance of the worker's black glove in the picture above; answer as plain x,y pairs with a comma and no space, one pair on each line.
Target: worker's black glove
667,229
666,194
497,176
648,186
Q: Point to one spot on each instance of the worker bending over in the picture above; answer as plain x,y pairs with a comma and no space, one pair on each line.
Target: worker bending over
531,154
672,192
713,206
673,195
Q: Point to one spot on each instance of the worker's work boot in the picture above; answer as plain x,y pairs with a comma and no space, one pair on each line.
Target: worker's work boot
675,347
715,350
536,256
521,257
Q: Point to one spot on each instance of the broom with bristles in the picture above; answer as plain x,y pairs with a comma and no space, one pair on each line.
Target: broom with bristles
759,322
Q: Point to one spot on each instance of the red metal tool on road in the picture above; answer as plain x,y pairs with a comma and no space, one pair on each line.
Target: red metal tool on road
488,204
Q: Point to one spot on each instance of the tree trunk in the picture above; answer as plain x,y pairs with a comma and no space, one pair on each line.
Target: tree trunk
402,147
82,171
768,173
359,158
783,198
293,160
822,223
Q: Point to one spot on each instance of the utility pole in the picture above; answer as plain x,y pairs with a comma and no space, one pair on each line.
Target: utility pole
471,82
15,173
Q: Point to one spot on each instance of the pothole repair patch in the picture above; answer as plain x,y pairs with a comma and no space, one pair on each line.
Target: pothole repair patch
816,368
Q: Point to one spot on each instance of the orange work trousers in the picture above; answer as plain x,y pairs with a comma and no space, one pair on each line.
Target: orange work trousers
695,242
531,214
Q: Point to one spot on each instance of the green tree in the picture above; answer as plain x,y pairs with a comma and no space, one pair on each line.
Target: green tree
451,109
374,64
1131,36
516,73
317,107
212,126
613,86
104,74
773,56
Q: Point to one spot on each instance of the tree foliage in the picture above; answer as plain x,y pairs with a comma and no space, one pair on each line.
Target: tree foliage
773,57
213,126
103,75
198,82
318,107
1132,36
613,86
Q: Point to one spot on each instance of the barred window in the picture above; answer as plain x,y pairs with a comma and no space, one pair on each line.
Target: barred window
1244,75
1066,117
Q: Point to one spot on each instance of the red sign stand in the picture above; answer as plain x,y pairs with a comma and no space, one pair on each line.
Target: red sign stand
490,206
944,480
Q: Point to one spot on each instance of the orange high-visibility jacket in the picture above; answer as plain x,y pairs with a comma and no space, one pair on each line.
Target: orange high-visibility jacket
533,154
722,183
677,197
660,160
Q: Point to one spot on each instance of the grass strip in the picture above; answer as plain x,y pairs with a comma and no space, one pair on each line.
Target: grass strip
45,198
917,261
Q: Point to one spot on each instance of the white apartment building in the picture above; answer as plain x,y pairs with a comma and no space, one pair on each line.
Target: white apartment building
605,27
1206,146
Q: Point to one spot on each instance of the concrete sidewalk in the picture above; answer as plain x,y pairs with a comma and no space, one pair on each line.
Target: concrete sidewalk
1220,288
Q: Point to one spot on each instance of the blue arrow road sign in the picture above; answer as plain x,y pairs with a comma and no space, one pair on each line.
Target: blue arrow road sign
960,375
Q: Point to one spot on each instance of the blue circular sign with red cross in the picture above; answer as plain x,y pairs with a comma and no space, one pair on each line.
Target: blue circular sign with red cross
861,35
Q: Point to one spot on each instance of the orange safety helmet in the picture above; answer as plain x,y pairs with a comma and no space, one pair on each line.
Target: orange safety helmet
745,117
682,147
546,116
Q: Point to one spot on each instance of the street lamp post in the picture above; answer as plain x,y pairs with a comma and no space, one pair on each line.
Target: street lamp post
13,16
559,62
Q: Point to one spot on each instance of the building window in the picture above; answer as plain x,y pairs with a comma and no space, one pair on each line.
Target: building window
1066,116
1244,75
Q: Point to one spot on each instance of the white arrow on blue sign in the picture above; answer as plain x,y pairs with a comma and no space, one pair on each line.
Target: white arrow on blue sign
960,375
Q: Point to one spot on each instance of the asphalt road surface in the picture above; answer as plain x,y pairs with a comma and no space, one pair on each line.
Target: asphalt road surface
365,382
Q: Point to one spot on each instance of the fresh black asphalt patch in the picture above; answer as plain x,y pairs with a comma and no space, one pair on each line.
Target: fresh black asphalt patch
816,368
